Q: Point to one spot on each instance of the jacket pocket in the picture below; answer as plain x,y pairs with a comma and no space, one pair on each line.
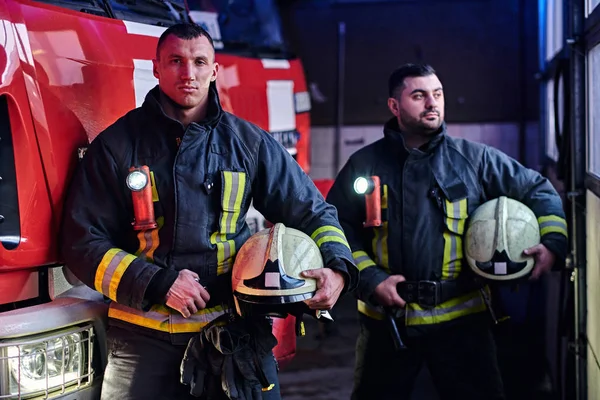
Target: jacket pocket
456,213
233,193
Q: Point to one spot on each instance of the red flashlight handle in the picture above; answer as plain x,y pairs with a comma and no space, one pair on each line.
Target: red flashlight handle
143,207
373,204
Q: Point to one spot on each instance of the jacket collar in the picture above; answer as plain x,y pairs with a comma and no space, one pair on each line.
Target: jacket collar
395,137
153,107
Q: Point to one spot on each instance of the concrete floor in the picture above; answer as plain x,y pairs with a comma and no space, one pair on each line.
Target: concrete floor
324,363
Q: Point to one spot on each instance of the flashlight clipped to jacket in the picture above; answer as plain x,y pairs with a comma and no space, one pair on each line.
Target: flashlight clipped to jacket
138,181
371,188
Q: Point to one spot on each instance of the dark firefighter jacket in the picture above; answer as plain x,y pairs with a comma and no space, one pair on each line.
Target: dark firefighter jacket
427,195
203,181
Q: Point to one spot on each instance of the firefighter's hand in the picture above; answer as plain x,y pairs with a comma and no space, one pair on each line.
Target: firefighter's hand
544,260
386,293
330,284
187,295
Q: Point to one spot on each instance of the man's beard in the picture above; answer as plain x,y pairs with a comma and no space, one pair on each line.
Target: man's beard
417,126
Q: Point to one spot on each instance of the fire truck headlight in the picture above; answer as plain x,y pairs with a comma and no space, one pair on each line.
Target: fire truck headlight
47,364
137,180
363,185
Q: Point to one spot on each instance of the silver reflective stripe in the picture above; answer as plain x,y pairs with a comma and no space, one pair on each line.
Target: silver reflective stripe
110,270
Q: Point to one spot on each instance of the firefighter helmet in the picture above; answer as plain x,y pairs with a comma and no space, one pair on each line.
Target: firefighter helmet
498,233
266,276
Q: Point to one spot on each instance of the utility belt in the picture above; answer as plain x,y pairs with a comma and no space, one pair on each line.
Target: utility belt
427,294
430,294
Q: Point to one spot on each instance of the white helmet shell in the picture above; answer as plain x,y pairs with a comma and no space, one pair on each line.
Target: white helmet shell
498,233
267,268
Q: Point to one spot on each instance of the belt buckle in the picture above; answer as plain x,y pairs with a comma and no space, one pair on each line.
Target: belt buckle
428,293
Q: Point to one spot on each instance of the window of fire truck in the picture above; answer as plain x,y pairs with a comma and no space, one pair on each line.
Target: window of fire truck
95,7
150,12
247,27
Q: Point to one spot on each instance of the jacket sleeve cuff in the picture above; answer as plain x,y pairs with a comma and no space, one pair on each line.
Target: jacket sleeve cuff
348,270
369,279
159,286
557,244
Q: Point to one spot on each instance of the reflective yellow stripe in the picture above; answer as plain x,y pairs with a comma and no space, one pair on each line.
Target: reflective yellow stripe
154,190
234,184
329,233
369,311
225,252
384,197
108,257
470,303
160,221
110,271
149,241
163,319
326,228
552,223
457,209
456,214
362,260
143,237
380,237
380,246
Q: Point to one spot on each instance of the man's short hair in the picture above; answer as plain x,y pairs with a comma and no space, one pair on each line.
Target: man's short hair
407,71
186,31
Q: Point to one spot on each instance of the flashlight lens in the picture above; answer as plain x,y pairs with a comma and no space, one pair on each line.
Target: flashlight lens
361,185
136,180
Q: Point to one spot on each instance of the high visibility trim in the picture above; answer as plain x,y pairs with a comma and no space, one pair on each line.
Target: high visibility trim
552,223
362,260
327,234
469,303
154,190
326,228
110,271
149,241
380,236
225,252
162,319
384,197
234,185
380,245
456,209
369,311
456,215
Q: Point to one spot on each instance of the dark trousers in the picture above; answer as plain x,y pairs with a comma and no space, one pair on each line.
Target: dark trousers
144,368
461,359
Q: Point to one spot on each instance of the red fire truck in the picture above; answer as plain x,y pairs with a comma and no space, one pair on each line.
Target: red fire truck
68,69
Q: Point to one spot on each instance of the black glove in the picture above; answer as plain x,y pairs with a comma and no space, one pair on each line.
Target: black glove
231,353
249,361
244,344
195,365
